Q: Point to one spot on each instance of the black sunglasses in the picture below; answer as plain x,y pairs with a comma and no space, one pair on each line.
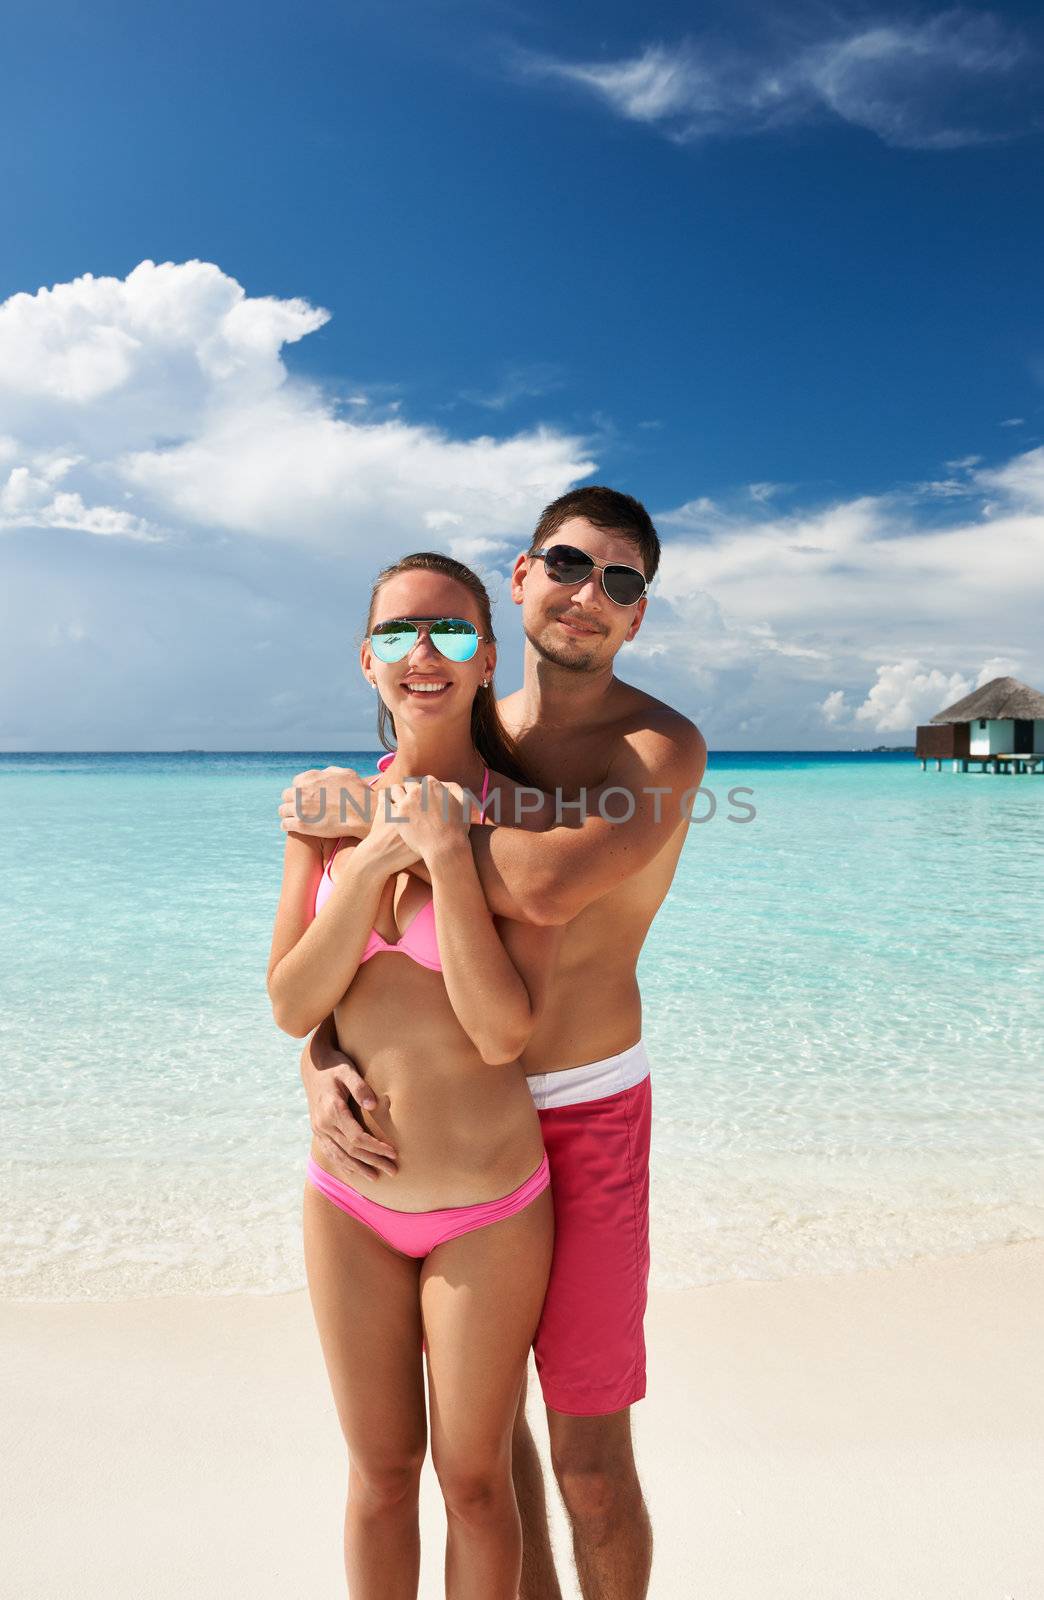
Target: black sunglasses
564,563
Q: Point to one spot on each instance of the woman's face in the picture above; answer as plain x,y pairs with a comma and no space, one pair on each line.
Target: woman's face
424,684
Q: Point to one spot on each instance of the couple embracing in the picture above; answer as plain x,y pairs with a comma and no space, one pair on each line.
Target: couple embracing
465,951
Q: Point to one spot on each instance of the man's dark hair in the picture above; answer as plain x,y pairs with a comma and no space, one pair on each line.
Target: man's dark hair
607,509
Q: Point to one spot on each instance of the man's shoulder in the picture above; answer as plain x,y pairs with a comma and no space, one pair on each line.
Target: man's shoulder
650,721
509,710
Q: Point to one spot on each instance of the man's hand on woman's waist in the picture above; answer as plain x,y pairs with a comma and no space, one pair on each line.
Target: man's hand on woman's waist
334,1087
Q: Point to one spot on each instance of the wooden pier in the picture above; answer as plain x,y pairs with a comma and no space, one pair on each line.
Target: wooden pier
994,763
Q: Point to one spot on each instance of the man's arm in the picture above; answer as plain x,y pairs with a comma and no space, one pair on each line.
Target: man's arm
332,1081
321,1053
547,872
551,875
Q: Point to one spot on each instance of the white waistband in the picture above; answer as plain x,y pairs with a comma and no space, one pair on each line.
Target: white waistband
593,1080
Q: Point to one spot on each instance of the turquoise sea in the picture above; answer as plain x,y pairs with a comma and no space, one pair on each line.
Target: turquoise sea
842,1005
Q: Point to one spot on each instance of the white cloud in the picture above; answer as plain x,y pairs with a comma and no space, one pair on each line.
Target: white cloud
911,82
927,84
658,83
864,561
188,551
518,383
174,336
858,594
1020,480
945,488
190,532
30,499
998,667
907,693
166,398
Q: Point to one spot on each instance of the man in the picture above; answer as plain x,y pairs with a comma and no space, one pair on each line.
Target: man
578,728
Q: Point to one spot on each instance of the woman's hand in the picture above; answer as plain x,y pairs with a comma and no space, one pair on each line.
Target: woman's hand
313,804
387,843
431,815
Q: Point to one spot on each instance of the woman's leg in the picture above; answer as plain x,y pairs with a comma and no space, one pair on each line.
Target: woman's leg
366,1303
481,1295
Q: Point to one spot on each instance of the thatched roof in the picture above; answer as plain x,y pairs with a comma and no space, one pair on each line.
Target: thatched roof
1000,698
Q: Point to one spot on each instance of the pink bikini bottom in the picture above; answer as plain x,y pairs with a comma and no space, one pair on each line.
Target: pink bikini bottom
416,1233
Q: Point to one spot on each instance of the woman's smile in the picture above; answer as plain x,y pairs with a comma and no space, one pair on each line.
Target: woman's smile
429,686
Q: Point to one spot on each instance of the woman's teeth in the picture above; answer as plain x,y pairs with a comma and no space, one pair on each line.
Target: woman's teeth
426,688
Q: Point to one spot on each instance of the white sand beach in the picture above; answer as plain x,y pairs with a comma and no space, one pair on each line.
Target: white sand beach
875,1435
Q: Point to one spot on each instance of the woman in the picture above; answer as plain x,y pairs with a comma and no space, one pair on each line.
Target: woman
437,999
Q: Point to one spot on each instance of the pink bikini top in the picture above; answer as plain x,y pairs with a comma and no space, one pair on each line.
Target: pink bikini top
419,941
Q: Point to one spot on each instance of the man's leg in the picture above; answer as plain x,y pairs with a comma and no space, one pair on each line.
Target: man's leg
539,1579
590,1344
612,1536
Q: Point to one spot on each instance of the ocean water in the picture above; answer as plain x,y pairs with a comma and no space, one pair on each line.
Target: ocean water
842,1006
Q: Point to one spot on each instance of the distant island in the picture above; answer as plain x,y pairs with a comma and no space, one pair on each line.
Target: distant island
890,749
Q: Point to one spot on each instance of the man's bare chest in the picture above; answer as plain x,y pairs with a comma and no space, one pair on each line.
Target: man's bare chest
564,764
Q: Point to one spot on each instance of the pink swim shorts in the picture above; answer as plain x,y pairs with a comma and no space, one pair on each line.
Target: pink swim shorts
590,1343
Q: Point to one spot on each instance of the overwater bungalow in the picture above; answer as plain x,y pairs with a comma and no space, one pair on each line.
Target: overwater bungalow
998,728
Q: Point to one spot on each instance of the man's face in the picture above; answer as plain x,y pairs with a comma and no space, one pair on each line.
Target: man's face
577,625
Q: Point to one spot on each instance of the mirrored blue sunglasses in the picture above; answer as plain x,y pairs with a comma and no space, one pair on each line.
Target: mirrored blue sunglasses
453,637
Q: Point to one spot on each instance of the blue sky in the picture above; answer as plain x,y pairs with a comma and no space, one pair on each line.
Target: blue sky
775,272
